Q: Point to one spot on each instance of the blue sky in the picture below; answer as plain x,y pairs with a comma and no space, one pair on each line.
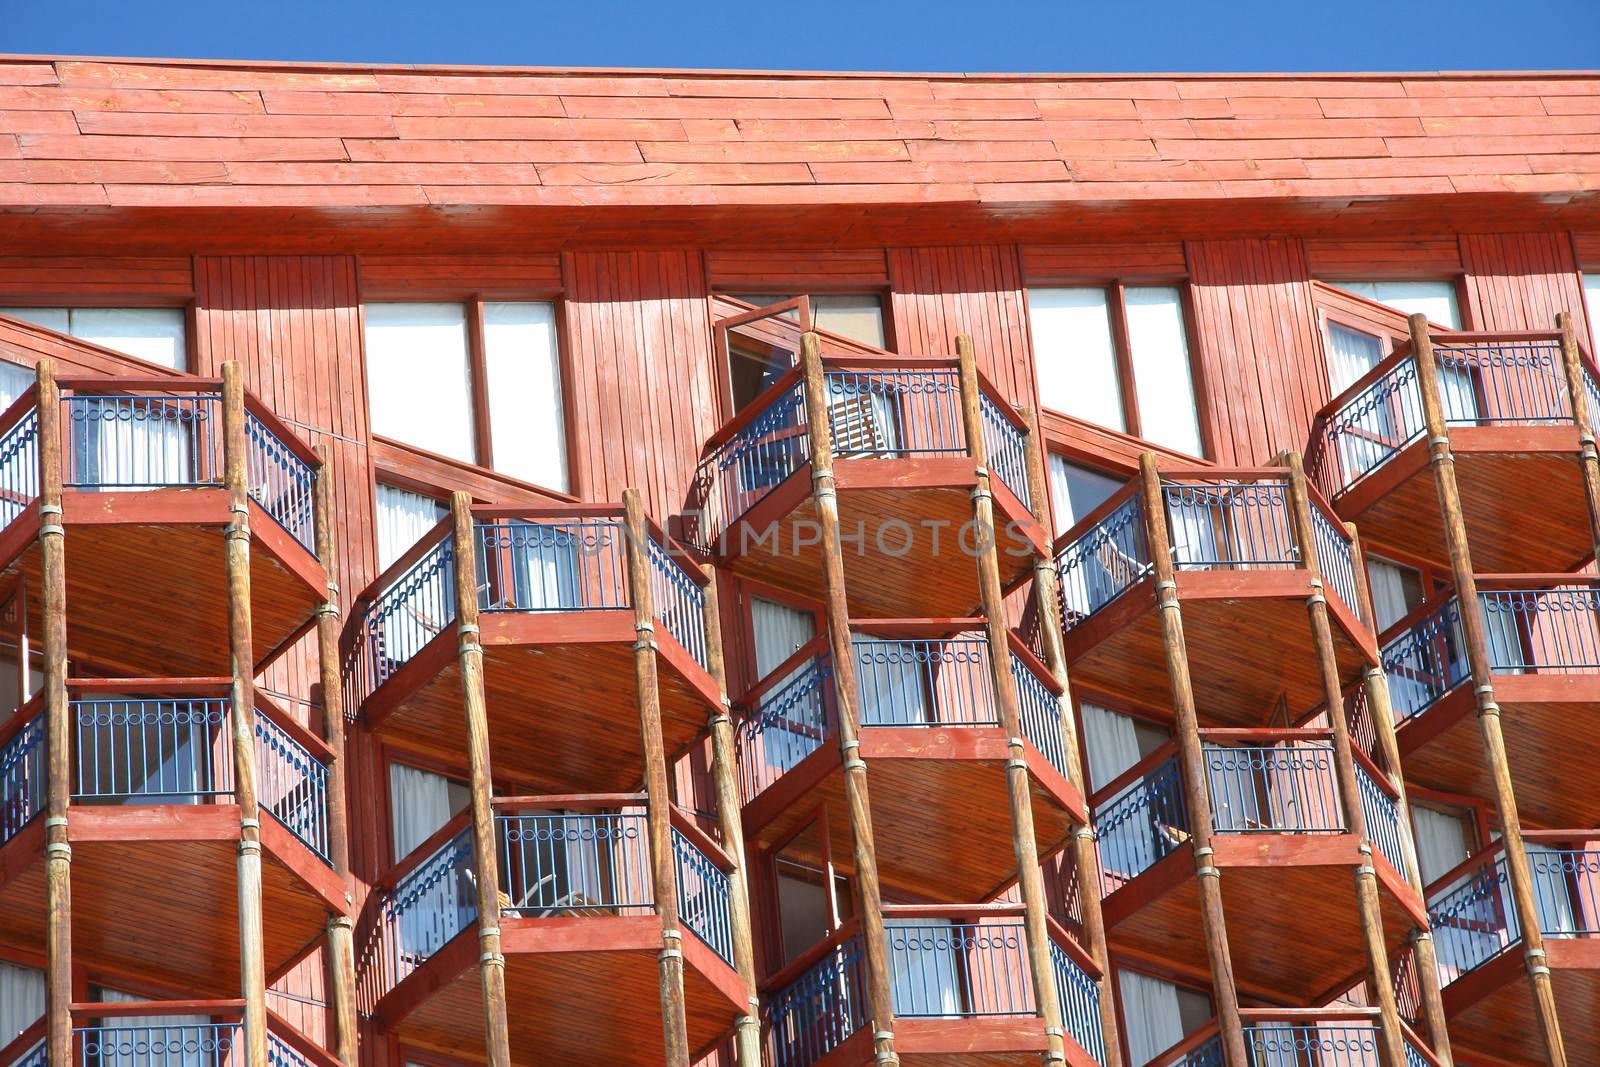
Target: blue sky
934,35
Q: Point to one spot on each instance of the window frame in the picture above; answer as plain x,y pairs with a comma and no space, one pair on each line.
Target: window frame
1458,284
187,305
1191,983
744,590
417,760
1116,289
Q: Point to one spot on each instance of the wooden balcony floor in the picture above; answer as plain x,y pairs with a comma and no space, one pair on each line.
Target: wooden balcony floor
1289,903
1490,1010
562,701
1552,764
155,897
1525,509
147,582
941,812
1249,641
982,1041
580,991
909,562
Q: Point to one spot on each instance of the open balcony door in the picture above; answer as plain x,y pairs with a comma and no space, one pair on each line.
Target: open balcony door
780,632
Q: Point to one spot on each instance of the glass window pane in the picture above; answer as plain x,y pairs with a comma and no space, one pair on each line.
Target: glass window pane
403,517
1162,377
153,334
1075,491
1435,299
858,316
14,381
1076,362
526,416
1351,354
420,802
56,319
1591,302
418,379
1396,590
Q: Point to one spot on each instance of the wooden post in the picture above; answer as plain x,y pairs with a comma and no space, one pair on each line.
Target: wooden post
1024,842
1376,686
1191,758
58,723
1472,626
1380,978
1085,855
491,961
724,775
663,868
880,990
341,939
1582,417
242,698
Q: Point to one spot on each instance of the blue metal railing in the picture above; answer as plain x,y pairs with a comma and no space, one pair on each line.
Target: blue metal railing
703,891
38,1055
1005,447
22,778
552,565
1363,432
924,681
679,602
1141,825
1381,812
292,785
747,466
1040,711
415,608
956,970
1322,1044
591,863
1544,631
142,442
894,414
149,1044
1230,525
1205,1054
817,1012
1079,996
1273,790
427,909
788,724
19,466
1474,919
1335,559
281,482
1106,559
1426,662
151,749
281,1054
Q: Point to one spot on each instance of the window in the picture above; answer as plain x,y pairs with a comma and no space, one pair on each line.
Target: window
424,362
1118,357
21,999
1115,742
419,803
1158,1014
754,364
1396,590
1077,490
1435,299
1591,304
1444,839
156,335
403,517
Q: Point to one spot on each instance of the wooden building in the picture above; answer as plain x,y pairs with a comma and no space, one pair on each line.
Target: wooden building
515,566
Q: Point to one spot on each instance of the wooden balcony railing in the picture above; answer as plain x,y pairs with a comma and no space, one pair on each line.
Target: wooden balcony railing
1347,1037
903,680
1217,520
157,433
558,558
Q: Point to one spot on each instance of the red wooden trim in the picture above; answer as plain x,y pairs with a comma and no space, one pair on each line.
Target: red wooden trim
1068,944
684,823
298,1041
162,686
573,800
290,438
112,384
12,1052
973,912
112,1009
21,717
308,739
1265,733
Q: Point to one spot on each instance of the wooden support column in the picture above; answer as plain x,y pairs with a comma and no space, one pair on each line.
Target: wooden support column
875,945
58,723
663,868
1191,759
341,939
1472,626
1024,840
1582,417
1375,684
725,779
491,961
242,699
1085,855
1379,977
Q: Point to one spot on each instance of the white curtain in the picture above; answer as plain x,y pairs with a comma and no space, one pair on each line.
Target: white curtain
21,999
1075,491
167,1043
1551,893
526,411
780,631
1153,1015
419,803
1075,358
1113,743
1389,600
419,384
1441,842
1435,299
923,963
156,335
894,687
1162,377
402,518
1192,526
14,381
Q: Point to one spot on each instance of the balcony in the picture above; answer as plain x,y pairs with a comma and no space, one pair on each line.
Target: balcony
1543,640
962,994
931,736
578,926
556,624
1280,835
197,1033
1242,590
1509,418
145,509
1281,1038
152,819
904,479
1476,934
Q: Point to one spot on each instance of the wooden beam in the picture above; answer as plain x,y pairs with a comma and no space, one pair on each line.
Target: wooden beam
875,945
492,961
1085,855
1588,460
663,869
236,476
1030,879
1494,745
1191,761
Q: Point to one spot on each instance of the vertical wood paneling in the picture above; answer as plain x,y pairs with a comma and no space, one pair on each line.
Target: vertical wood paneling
1518,281
1259,356
945,291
